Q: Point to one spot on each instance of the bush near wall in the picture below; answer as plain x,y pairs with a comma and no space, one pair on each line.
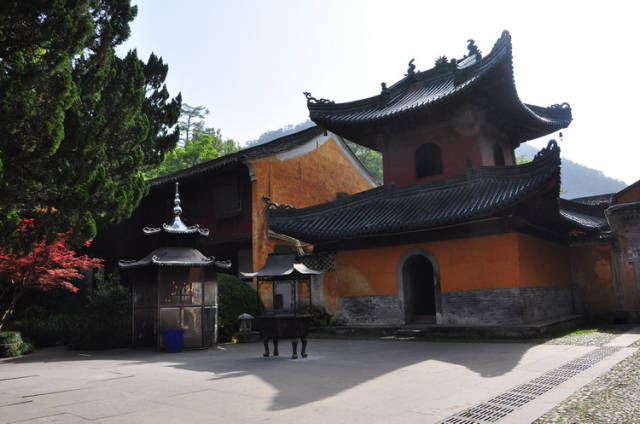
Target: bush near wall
106,319
99,320
11,344
234,298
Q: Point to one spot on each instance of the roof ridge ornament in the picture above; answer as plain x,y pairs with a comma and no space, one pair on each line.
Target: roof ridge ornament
441,61
276,206
473,49
313,100
384,92
411,70
552,147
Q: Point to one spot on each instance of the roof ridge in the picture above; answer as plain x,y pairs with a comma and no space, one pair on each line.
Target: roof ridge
249,152
430,74
548,157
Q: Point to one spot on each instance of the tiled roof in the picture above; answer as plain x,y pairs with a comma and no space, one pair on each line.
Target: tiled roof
272,147
600,199
423,90
586,215
387,210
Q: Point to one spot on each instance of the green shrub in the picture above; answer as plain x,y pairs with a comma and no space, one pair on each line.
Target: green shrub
50,329
10,337
106,320
11,344
234,298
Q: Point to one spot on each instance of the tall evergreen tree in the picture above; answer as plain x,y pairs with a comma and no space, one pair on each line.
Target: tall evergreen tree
77,123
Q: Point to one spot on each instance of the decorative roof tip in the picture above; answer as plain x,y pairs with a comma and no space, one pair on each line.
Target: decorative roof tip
384,92
313,100
552,147
177,210
411,70
177,226
473,49
275,206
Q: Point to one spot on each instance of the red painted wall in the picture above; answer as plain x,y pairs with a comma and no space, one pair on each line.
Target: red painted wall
399,154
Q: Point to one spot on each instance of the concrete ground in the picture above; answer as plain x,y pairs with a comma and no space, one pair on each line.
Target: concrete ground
342,381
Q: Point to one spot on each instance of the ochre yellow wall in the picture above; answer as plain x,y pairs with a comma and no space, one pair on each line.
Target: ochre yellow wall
542,263
630,194
301,181
488,262
592,272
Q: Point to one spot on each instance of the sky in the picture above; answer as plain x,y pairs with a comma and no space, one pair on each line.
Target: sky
248,61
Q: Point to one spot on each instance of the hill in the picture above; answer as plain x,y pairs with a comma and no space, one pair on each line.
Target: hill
578,180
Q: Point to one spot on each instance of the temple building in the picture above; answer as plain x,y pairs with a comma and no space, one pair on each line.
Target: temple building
459,234
226,195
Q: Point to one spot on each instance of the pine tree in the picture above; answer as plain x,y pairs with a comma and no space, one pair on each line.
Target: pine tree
77,123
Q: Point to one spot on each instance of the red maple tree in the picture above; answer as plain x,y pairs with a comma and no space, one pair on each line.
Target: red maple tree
44,266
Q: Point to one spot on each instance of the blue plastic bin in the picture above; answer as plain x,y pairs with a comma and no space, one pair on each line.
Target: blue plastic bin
173,340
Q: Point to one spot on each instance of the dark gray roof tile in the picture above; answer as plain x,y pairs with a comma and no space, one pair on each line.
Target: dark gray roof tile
388,209
429,88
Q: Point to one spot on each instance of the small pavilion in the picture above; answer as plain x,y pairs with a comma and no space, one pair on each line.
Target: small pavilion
175,286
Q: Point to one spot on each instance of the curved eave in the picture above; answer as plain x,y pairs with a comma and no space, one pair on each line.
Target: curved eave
195,229
435,87
583,216
171,256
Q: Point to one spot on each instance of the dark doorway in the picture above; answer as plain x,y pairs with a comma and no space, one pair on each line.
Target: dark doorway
420,299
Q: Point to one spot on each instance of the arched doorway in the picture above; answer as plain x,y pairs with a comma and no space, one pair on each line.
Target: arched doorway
419,279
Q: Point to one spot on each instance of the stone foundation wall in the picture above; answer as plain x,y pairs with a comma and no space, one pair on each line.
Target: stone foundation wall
505,306
371,310
466,307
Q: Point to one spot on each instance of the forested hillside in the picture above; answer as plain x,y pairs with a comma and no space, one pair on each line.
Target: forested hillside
578,180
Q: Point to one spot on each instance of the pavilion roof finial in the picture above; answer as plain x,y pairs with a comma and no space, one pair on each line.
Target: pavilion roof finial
176,226
177,209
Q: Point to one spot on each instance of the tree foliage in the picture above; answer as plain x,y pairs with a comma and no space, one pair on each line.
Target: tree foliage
42,265
370,158
77,123
191,119
205,144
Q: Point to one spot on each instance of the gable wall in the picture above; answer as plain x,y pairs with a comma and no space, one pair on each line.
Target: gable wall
630,194
311,174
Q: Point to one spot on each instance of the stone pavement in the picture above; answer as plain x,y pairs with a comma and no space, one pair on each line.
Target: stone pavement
354,381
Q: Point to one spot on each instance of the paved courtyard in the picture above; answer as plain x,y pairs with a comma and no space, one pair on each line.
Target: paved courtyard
342,381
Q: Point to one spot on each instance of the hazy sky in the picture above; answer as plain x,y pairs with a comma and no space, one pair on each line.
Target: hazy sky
248,62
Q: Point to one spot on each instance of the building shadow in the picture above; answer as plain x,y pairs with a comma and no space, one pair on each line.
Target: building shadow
333,366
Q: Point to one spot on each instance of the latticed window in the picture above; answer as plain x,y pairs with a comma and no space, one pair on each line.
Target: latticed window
428,160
